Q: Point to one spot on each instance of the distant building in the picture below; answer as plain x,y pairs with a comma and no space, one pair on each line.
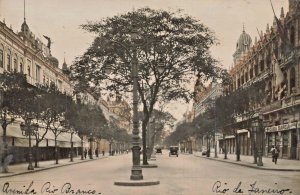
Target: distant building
205,97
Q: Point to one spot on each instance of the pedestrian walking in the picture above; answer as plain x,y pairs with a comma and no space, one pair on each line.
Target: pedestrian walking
90,153
85,153
103,152
97,152
273,153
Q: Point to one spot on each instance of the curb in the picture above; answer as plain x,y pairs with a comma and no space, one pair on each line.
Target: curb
47,168
137,182
250,166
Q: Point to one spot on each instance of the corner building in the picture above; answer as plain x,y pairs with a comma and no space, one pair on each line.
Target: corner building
280,109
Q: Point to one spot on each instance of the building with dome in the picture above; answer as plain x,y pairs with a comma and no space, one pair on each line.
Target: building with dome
242,46
273,59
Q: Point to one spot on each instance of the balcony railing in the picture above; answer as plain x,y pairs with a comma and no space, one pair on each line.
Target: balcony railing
271,107
291,101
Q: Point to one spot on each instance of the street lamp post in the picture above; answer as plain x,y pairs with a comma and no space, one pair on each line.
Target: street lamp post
26,131
91,146
260,149
225,146
72,131
136,170
257,129
208,146
82,149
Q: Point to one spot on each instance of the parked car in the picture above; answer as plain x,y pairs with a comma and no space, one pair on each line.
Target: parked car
173,150
158,150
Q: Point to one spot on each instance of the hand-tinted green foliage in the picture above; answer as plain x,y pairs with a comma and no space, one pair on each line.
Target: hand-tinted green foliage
242,102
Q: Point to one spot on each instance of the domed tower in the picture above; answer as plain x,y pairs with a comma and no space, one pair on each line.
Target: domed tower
242,46
25,29
53,61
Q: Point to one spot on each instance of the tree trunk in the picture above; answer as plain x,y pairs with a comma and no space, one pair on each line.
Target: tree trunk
238,147
225,147
36,155
82,149
4,155
144,139
56,152
254,151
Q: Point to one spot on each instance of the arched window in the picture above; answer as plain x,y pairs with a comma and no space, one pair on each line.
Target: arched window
15,68
246,77
28,70
21,68
292,36
292,80
251,72
1,56
242,79
255,70
262,65
269,61
8,64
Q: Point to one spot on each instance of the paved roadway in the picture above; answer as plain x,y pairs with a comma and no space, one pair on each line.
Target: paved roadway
185,175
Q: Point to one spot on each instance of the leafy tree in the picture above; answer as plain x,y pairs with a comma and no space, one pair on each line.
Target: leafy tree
9,82
159,120
179,42
182,132
244,102
87,119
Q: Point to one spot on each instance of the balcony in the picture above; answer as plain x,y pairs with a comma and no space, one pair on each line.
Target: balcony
291,101
273,106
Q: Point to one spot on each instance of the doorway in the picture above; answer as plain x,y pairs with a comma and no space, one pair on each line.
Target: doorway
294,143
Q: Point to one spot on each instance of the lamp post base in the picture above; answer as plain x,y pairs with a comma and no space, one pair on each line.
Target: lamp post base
137,183
30,167
259,162
136,173
149,166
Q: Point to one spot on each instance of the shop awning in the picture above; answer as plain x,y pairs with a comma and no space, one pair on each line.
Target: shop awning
63,139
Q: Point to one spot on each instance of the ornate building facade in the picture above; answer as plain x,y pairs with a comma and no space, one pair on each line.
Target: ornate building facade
25,53
275,60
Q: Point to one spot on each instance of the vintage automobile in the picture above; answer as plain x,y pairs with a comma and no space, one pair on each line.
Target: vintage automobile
173,150
158,150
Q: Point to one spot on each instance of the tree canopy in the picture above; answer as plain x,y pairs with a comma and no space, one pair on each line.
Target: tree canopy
179,42
151,38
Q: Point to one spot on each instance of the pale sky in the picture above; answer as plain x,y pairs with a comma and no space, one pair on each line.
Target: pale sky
60,20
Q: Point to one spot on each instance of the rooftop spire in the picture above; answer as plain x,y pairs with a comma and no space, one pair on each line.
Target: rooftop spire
282,13
24,12
243,27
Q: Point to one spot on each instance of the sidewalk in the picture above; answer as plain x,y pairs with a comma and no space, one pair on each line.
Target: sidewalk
21,168
247,161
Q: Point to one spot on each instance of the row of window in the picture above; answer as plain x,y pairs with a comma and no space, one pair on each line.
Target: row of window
7,65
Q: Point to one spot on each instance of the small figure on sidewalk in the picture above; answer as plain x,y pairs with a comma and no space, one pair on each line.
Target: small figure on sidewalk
90,153
85,153
97,152
103,152
273,152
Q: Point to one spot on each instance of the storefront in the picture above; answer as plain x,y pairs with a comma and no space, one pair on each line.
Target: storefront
285,136
18,143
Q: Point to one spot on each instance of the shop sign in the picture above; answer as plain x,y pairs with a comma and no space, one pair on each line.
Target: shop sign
271,129
282,127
